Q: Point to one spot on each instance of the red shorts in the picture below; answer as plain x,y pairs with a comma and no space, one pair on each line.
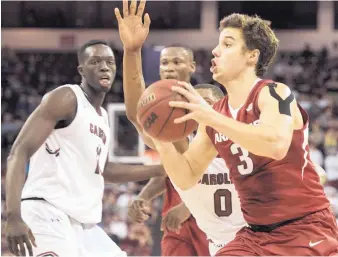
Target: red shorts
314,235
191,241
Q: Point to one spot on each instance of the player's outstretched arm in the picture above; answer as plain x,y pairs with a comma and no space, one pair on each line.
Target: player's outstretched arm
154,188
186,169
133,88
139,208
56,106
122,173
133,32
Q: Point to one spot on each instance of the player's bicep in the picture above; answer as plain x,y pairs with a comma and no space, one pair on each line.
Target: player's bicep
34,132
58,105
201,152
278,106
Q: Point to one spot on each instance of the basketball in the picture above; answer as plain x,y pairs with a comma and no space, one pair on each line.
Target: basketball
157,117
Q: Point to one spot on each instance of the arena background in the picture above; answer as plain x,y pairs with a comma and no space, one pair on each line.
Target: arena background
39,42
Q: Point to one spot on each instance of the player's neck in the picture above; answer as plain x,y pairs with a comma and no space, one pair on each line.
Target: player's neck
239,89
95,98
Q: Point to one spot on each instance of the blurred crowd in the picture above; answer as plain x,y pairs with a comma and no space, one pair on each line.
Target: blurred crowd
27,76
97,14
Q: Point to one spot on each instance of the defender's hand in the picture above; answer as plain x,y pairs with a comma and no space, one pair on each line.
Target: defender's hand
18,234
200,110
133,32
175,217
139,210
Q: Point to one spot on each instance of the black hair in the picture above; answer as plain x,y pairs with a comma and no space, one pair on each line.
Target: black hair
87,44
216,91
186,48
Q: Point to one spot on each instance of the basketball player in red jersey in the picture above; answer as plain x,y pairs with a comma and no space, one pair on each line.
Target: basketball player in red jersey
262,134
182,237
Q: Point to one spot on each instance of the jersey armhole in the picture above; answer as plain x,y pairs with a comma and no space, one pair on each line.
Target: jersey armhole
63,124
255,105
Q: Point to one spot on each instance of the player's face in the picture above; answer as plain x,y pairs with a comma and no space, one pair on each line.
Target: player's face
175,63
207,95
99,68
231,57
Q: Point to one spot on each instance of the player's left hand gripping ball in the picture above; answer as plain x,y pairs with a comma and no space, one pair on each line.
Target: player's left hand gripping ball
199,109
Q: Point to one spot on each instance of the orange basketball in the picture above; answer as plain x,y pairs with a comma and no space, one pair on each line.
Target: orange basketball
157,117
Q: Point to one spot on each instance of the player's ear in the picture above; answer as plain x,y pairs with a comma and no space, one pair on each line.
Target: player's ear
254,57
80,70
192,67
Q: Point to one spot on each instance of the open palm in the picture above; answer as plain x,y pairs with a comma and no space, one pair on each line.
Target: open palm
133,32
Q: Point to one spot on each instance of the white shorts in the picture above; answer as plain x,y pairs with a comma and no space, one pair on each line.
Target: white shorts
56,234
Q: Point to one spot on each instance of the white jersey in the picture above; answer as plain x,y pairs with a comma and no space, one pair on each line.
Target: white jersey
215,205
67,169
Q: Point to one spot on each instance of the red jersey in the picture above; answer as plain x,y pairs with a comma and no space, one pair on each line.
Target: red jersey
270,191
171,197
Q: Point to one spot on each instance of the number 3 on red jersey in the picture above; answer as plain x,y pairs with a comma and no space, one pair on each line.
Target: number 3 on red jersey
247,165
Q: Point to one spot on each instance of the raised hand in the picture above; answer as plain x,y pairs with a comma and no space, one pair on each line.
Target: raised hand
133,32
174,218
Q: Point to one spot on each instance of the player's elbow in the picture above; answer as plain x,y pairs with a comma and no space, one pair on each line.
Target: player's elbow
184,186
278,144
184,182
188,182
279,154
18,150
281,148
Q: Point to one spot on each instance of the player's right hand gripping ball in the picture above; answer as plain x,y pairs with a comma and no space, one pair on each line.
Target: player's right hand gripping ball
157,117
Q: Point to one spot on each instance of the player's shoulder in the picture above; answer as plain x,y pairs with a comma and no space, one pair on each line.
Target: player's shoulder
220,104
67,91
279,88
60,101
274,90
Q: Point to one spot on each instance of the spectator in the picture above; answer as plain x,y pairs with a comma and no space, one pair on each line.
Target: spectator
138,241
316,155
331,167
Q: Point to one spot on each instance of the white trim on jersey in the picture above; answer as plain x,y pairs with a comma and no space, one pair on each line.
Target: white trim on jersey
304,145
